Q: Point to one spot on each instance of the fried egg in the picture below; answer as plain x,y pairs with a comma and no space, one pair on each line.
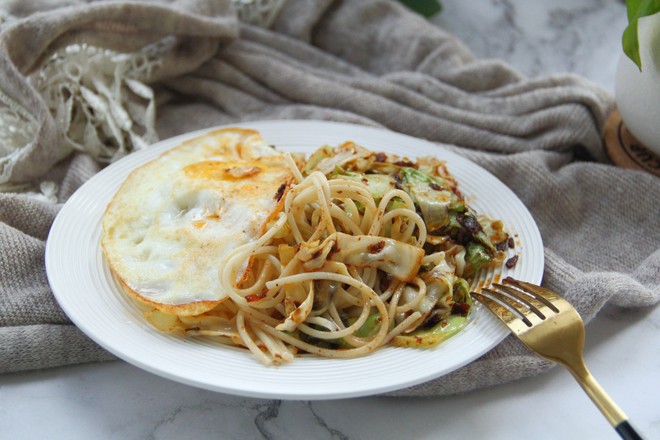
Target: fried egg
171,223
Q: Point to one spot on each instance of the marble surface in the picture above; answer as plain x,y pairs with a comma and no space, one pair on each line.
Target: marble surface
541,38
118,401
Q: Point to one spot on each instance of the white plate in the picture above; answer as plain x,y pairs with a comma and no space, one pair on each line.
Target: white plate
90,296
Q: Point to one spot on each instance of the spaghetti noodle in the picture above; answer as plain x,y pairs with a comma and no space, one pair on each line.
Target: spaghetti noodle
364,250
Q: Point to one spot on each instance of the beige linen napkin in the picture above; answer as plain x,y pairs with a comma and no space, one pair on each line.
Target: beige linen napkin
366,62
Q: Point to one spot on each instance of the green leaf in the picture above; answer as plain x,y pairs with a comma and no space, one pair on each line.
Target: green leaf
636,10
370,326
476,256
426,338
427,8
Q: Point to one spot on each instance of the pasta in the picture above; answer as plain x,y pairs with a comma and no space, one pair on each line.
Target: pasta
364,250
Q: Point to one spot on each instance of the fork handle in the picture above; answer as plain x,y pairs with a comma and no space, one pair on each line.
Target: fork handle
626,432
604,402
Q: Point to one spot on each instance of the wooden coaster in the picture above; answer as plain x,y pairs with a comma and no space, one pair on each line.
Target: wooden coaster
626,151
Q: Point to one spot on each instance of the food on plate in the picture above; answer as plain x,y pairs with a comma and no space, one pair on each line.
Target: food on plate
333,255
176,218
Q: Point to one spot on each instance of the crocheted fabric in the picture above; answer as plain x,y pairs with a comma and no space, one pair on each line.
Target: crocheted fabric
100,99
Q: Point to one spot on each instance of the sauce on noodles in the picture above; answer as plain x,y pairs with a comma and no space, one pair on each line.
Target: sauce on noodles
365,249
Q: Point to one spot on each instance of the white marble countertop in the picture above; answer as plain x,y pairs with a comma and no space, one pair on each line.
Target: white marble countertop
115,400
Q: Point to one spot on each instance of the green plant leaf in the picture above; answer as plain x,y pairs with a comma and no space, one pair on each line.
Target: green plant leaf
427,8
630,40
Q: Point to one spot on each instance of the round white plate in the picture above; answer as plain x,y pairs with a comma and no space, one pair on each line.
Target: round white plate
89,294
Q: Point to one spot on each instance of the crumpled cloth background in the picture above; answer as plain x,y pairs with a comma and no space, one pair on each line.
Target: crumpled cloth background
367,62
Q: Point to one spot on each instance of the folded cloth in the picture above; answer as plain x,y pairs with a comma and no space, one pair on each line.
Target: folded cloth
367,62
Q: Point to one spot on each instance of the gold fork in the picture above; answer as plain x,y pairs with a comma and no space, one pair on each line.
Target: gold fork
549,326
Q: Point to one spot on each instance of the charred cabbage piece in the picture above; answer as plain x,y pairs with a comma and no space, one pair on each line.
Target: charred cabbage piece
398,259
433,196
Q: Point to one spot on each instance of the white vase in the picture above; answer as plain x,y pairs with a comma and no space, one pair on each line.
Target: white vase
638,92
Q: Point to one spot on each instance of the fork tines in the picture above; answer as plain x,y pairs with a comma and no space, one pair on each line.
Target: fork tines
516,299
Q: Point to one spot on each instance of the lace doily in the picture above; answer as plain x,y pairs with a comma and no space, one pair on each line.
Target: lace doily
99,98
17,127
258,12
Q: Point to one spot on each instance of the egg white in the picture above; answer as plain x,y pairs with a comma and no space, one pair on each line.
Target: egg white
168,228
